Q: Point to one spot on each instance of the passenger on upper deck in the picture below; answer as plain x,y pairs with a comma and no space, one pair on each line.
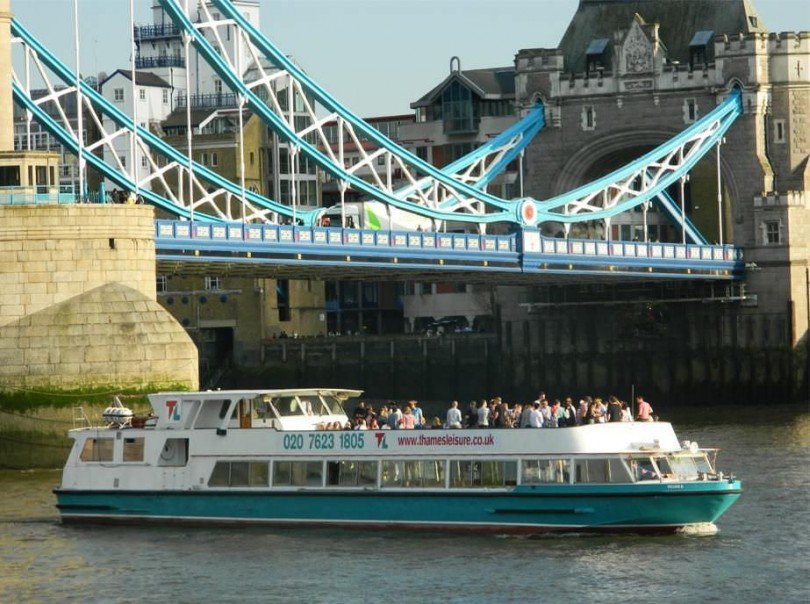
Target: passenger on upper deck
644,410
394,417
407,421
472,415
483,415
453,418
418,416
535,417
614,409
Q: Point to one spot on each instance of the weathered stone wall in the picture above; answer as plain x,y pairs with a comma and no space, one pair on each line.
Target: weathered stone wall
77,302
111,337
50,253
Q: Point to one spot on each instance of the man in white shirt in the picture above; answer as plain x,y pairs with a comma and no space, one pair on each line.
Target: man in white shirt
535,418
453,419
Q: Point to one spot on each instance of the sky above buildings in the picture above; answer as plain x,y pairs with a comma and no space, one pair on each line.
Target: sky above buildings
376,56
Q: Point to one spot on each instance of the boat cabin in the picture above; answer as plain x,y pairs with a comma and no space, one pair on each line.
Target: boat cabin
295,409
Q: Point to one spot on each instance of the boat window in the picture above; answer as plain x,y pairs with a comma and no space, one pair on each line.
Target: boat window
471,473
683,466
262,409
97,449
239,474
298,473
610,469
287,406
223,410
310,405
392,473
333,404
619,472
703,464
643,469
174,452
664,467
133,449
425,473
221,476
352,473
539,471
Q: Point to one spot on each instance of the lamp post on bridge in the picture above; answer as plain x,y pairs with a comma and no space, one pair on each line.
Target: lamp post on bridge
79,102
719,194
683,180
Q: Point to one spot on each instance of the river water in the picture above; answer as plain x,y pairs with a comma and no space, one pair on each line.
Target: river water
760,553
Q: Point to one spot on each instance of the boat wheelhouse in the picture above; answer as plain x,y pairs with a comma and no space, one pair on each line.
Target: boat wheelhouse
264,457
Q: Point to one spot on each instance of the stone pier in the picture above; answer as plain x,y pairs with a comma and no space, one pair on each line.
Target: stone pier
78,309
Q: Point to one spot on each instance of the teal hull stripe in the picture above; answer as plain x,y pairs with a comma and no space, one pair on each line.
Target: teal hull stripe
652,508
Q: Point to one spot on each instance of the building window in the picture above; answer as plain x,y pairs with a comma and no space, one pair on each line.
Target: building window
213,283
118,95
772,231
588,117
143,161
214,159
142,94
204,159
162,284
457,109
217,86
165,96
690,111
381,160
123,160
779,131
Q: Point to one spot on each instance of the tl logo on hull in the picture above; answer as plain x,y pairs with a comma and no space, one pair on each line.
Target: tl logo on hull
381,444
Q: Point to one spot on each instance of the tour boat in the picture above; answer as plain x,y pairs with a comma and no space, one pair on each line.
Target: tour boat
263,457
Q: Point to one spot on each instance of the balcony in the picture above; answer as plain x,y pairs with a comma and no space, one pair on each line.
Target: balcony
209,101
222,100
152,62
155,32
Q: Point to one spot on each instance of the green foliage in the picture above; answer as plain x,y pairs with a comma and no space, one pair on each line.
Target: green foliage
22,401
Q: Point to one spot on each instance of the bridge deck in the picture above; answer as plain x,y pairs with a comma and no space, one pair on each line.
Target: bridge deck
523,257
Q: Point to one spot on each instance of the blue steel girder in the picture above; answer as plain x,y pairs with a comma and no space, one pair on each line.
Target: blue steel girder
216,198
600,200
648,176
526,253
469,204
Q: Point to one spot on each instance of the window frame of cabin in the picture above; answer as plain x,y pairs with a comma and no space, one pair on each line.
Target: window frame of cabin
93,452
133,449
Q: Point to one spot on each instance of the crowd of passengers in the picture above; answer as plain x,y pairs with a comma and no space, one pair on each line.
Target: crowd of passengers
496,413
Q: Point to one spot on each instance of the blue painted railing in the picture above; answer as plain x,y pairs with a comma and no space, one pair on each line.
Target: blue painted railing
525,252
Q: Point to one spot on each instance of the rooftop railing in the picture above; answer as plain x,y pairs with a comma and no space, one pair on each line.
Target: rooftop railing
154,32
152,62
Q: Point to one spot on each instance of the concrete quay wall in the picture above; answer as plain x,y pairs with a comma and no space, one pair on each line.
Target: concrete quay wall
78,309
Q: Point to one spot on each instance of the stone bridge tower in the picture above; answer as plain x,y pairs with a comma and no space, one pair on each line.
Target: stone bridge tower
629,74
78,309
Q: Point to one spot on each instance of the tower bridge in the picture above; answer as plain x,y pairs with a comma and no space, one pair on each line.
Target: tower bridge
636,149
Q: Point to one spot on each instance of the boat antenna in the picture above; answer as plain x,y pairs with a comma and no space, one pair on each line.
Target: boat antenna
632,400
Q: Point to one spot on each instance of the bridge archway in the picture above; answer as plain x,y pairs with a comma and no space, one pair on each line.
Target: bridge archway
613,151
